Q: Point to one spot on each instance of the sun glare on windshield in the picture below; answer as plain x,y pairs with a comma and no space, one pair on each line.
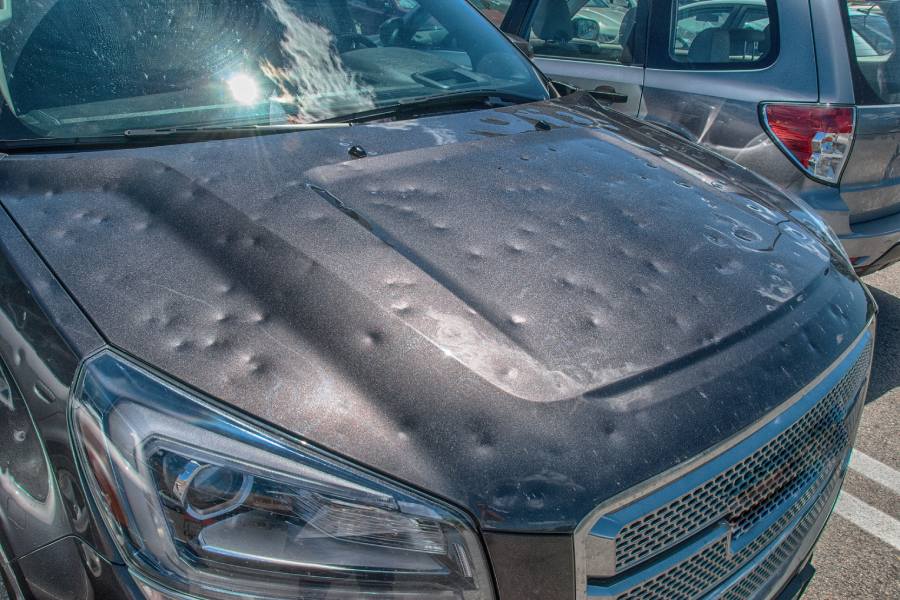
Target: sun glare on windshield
70,69
244,89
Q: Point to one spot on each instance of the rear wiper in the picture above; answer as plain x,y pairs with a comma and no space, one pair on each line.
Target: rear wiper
418,107
230,130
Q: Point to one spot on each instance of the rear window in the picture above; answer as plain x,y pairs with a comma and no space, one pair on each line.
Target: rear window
874,35
721,34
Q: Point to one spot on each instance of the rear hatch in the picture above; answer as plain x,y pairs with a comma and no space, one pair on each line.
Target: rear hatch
871,183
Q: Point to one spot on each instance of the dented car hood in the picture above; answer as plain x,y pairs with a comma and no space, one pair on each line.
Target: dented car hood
523,320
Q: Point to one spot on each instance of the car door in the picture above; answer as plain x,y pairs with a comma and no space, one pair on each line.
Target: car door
871,183
710,63
591,44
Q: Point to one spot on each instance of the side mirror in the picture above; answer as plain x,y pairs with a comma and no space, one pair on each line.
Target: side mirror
522,44
564,89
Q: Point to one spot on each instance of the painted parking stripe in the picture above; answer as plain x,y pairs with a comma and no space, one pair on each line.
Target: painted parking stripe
878,472
869,519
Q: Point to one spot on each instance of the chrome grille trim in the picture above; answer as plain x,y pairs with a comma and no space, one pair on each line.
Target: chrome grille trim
768,498
698,568
790,462
763,571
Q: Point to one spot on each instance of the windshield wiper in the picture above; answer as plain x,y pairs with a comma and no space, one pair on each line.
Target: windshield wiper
162,135
417,107
230,130
406,109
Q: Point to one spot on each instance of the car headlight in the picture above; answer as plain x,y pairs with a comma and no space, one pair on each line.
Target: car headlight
202,503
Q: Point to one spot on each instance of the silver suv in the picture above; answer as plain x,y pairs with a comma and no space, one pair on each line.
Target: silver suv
804,92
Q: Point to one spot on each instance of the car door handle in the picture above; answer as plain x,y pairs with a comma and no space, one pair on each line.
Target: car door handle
607,94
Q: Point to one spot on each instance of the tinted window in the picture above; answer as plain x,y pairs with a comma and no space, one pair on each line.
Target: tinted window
721,33
94,67
692,22
600,30
755,18
874,33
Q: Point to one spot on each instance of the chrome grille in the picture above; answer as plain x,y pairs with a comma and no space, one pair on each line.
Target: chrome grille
730,526
699,574
689,579
757,578
753,488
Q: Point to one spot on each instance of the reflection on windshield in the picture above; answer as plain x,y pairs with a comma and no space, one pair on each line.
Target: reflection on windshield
313,74
75,68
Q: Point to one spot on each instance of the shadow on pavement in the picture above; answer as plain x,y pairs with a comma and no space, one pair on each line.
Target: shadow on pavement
886,369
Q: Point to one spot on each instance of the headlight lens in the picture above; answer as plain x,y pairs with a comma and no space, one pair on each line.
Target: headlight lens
202,503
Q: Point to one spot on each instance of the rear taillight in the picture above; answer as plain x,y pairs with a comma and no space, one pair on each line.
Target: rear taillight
816,137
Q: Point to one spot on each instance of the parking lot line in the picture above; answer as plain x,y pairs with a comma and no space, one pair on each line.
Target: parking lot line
877,471
869,519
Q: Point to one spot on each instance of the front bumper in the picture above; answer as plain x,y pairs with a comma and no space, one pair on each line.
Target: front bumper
775,565
796,586
694,537
68,568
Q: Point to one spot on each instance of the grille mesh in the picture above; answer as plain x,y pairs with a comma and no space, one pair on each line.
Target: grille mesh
706,569
751,489
763,573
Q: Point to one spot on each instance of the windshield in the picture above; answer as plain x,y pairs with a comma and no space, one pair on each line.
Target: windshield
80,68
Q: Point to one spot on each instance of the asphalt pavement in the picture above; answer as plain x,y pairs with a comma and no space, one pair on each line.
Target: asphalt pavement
858,556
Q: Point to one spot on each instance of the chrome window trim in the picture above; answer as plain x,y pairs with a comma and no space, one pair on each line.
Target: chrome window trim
583,531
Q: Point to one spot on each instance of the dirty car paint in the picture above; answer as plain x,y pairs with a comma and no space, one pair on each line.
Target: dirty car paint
523,320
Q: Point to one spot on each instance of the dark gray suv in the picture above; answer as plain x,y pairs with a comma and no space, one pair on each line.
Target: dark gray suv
290,310
804,92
